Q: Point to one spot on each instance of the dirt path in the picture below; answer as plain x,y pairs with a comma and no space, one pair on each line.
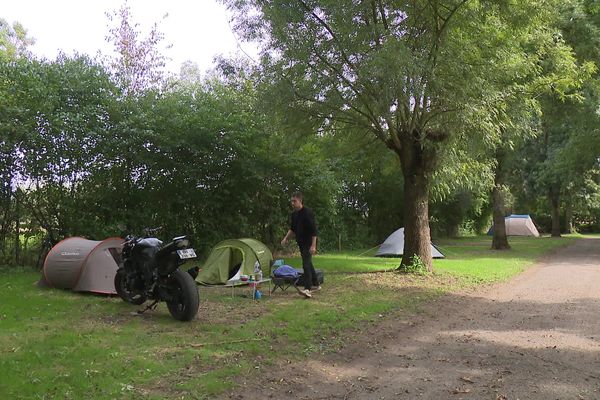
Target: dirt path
536,337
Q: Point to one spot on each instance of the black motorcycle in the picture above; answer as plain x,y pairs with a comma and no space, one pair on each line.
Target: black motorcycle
150,270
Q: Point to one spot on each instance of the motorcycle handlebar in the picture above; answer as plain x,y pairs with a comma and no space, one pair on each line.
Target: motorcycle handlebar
150,231
129,239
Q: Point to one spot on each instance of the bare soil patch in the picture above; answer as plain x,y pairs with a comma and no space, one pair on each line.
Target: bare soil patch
535,337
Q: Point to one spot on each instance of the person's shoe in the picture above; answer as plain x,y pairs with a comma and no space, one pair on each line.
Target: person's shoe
304,292
315,289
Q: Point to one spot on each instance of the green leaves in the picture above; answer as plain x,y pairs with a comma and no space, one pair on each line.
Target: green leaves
139,63
14,41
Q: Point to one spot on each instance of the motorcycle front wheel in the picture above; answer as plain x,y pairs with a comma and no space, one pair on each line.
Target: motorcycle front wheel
184,299
125,292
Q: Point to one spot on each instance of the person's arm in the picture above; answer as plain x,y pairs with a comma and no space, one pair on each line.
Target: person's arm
313,246
312,227
288,235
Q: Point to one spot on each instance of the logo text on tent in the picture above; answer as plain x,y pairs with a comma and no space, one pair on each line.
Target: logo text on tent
69,253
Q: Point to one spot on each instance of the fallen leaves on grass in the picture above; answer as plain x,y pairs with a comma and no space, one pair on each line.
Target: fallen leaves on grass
225,342
461,391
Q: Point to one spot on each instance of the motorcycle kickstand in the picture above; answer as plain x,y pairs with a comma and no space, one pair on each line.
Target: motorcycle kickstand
148,307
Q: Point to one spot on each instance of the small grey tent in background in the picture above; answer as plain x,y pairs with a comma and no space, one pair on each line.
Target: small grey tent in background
82,265
394,246
518,225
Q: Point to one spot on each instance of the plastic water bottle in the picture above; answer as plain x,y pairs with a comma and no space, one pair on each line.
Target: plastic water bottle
257,271
257,294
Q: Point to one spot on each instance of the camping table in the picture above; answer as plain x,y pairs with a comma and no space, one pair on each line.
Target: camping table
254,284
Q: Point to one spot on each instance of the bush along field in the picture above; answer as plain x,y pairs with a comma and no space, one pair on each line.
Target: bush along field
59,344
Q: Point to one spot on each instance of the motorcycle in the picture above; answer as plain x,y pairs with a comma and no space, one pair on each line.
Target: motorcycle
150,270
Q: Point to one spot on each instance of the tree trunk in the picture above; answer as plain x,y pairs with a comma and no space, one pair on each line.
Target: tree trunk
499,238
127,202
5,217
569,218
17,229
24,252
4,225
555,211
453,230
417,236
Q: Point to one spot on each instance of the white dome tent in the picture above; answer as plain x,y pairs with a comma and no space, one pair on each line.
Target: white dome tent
518,225
394,246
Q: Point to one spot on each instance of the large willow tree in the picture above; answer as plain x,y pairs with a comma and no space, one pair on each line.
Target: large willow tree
414,74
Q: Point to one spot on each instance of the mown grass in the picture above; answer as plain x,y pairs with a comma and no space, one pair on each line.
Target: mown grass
58,344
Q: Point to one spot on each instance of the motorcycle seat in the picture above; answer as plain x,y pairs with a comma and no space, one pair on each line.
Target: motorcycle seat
149,242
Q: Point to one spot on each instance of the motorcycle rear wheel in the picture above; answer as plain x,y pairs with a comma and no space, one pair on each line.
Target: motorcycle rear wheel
184,293
125,292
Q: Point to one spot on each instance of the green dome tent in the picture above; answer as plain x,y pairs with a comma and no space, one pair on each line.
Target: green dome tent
233,257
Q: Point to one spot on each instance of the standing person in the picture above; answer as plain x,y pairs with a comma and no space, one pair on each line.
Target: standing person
304,228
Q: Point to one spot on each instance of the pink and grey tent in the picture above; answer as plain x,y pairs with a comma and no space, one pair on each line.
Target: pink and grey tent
82,265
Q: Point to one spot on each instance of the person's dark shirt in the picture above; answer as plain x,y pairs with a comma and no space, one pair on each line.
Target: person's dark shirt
303,225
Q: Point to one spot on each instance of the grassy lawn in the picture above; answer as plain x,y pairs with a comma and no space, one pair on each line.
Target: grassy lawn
63,345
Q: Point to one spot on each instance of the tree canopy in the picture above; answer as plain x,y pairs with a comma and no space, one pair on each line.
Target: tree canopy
417,75
384,113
